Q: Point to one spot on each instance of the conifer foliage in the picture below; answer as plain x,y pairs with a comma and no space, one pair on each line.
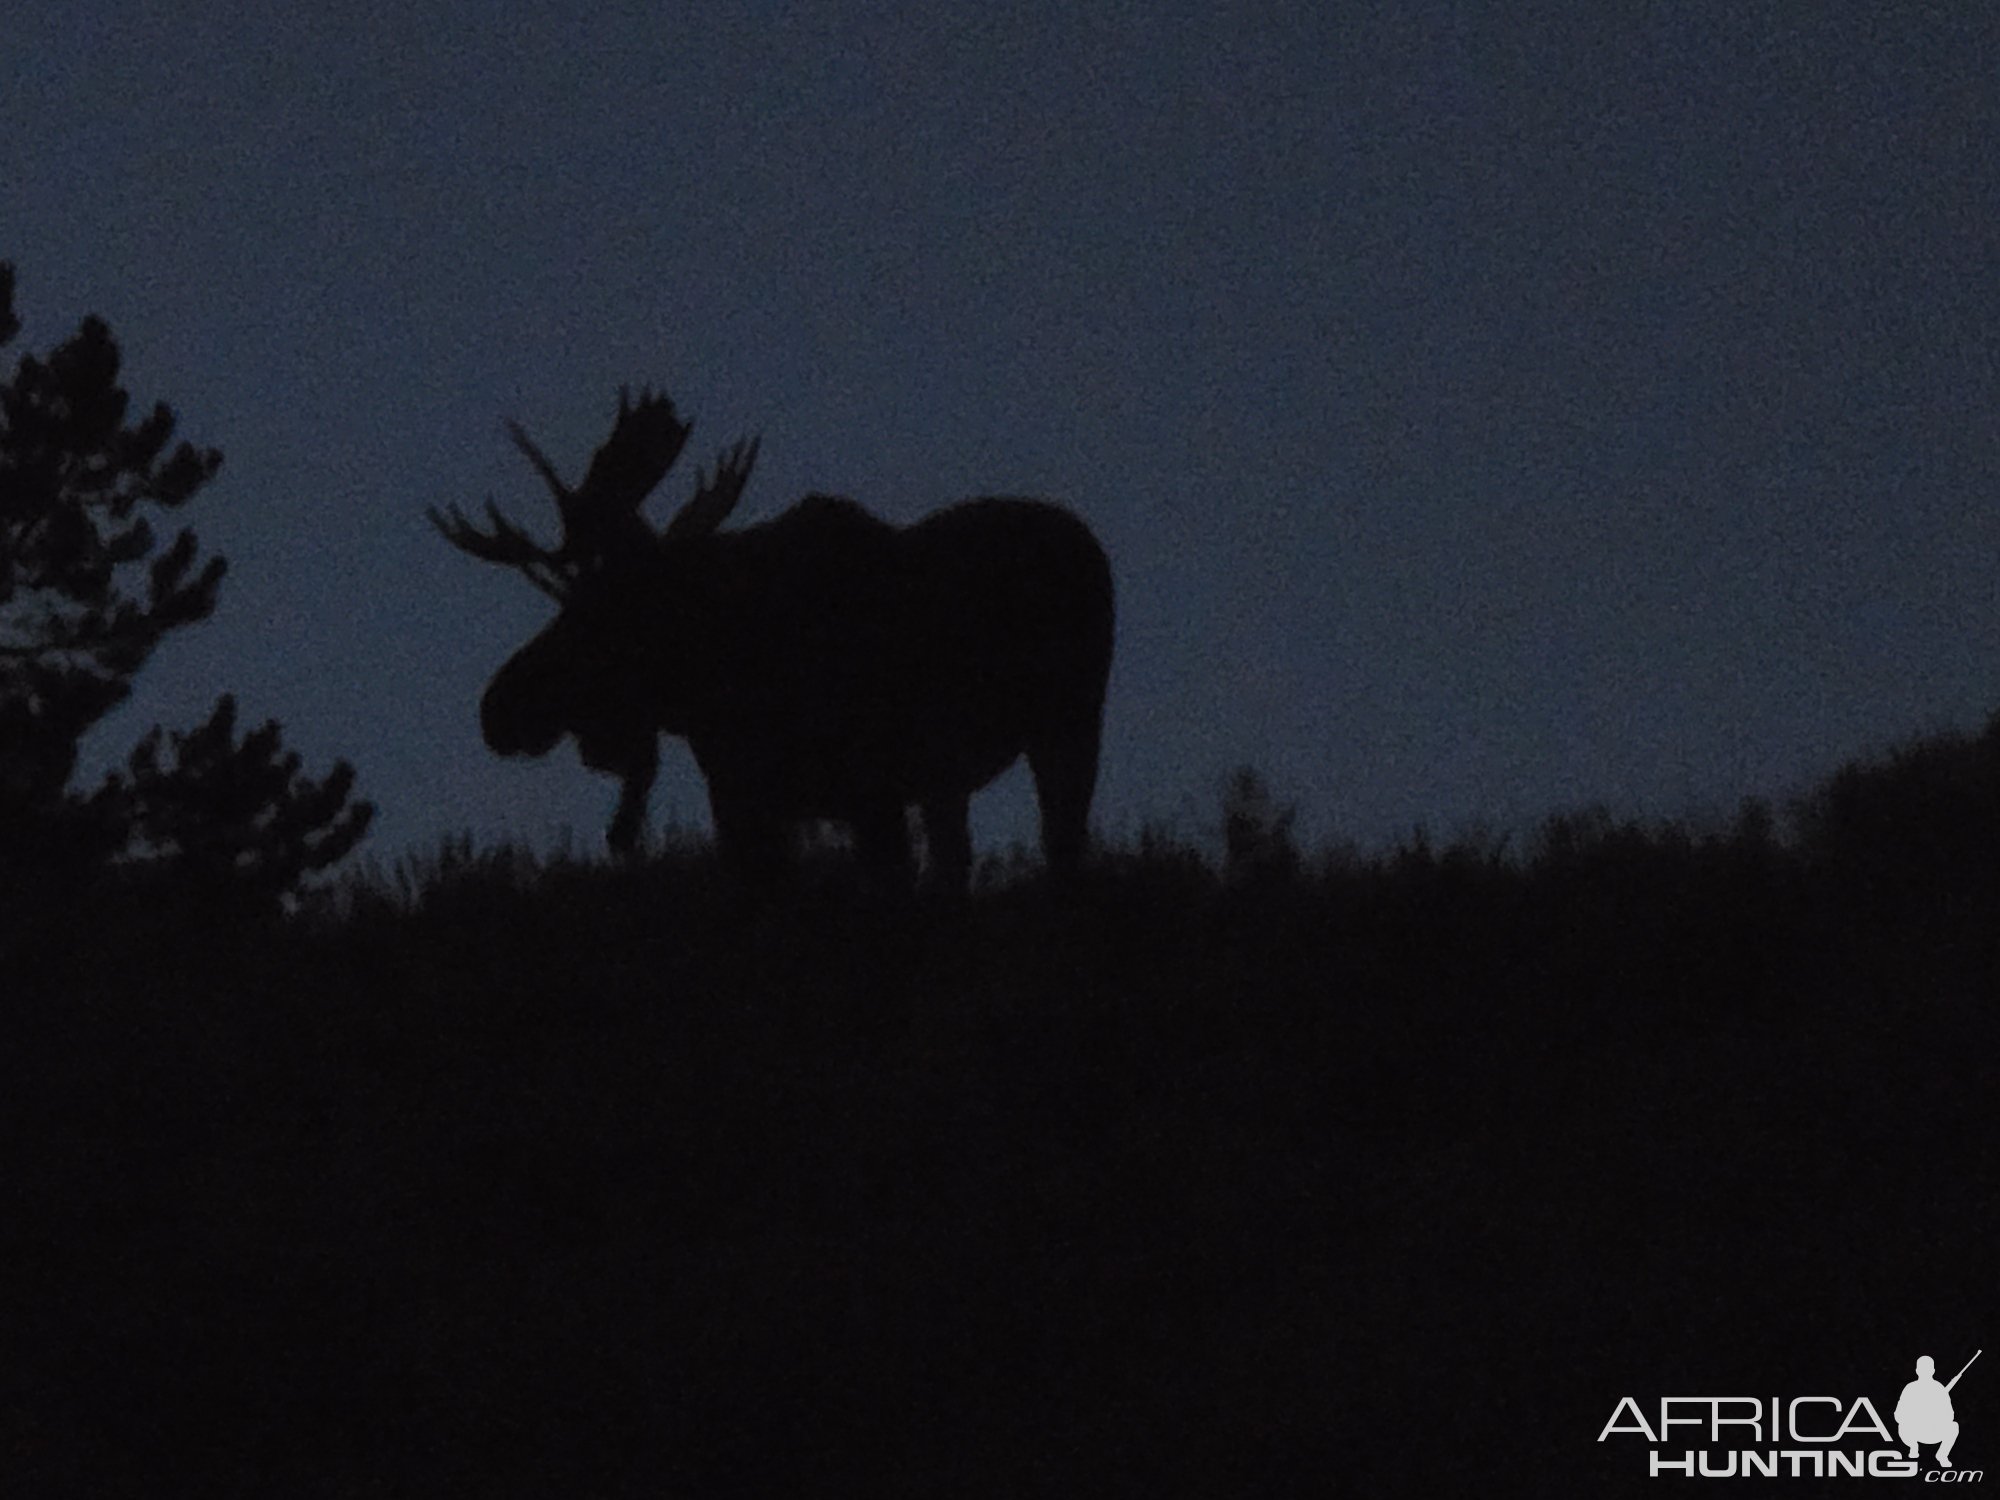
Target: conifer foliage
86,593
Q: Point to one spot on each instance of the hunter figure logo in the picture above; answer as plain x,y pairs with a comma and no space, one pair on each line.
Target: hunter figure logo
1923,1411
1818,1437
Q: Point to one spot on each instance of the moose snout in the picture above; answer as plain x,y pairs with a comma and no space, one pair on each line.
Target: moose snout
509,723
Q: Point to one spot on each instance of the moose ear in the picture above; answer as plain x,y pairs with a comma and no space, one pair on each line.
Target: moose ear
716,497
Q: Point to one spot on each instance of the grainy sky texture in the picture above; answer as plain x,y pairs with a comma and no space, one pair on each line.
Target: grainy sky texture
1486,409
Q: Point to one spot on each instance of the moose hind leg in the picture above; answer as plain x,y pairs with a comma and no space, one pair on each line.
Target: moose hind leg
1065,769
755,848
882,845
947,843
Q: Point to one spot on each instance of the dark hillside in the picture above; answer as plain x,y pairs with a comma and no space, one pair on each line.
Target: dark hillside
1344,1175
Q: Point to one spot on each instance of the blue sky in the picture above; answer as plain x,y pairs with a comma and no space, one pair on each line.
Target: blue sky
1483,415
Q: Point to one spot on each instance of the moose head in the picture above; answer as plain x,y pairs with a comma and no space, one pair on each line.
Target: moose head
576,677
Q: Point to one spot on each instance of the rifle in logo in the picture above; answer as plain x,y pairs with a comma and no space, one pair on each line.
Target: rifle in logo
1962,1369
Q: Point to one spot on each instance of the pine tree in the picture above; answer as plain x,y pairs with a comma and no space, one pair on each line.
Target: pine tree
86,594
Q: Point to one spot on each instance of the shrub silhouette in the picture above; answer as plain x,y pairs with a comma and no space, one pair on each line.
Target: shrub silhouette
86,594
230,813
1257,842
1906,847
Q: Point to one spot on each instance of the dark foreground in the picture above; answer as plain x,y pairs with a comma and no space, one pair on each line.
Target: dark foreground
1392,1179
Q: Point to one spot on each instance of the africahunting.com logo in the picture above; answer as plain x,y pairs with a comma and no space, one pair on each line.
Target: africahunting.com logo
1802,1438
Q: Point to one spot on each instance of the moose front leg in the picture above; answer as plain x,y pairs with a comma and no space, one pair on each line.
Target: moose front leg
628,824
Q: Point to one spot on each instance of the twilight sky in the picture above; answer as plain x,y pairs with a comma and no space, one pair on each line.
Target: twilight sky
1482,415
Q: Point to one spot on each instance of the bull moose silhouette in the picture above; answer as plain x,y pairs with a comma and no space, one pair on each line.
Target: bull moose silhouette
824,664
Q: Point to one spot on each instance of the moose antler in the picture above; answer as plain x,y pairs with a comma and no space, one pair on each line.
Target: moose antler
564,496
643,445
645,440
506,543
714,498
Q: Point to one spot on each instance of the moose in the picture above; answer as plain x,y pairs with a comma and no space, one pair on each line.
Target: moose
825,664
